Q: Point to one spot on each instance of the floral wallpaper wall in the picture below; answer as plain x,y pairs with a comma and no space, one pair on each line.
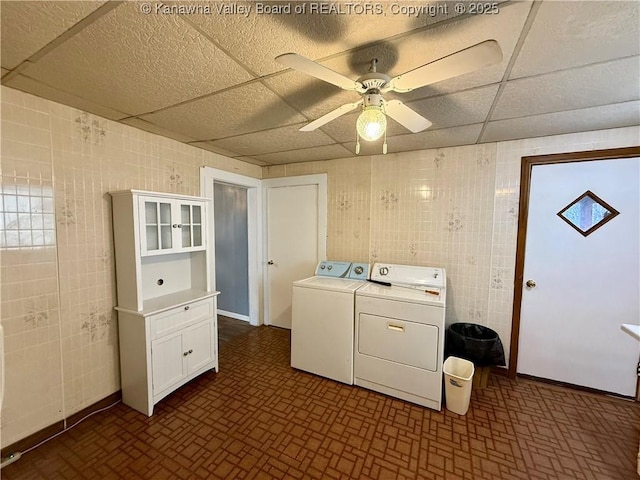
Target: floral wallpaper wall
56,260
435,207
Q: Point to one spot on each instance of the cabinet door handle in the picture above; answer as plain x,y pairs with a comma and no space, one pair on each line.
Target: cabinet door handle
187,307
179,225
175,225
190,351
184,354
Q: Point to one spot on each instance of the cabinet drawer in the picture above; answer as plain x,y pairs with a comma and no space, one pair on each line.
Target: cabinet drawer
177,318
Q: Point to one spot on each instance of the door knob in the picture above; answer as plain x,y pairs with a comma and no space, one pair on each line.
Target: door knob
530,283
270,262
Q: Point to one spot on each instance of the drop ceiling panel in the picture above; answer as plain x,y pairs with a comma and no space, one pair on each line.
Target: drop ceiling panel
249,108
446,137
310,96
137,63
611,82
326,152
424,46
256,40
460,108
275,140
574,33
27,26
586,119
26,84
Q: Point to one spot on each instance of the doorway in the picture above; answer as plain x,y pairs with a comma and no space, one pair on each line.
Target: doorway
231,250
248,191
577,270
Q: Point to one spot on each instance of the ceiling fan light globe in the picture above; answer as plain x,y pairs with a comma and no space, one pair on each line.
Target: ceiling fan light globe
371,123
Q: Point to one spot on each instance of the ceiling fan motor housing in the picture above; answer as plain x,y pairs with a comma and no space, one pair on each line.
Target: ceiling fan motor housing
374,81
372,99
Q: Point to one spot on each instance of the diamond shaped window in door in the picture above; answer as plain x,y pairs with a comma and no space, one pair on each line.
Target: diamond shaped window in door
587,213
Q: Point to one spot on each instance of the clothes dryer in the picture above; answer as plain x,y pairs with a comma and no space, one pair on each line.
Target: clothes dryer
399,333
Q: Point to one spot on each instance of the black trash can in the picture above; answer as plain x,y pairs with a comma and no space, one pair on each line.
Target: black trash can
478,344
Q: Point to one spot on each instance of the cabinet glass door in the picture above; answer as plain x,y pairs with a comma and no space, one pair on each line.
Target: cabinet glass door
191,225
157,218
197,226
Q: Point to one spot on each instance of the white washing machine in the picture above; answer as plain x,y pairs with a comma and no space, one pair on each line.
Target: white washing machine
322,320
399,333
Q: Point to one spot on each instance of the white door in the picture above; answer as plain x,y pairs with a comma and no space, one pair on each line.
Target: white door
585,286
293,244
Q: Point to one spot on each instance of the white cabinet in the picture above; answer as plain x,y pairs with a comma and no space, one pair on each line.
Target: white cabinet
166,308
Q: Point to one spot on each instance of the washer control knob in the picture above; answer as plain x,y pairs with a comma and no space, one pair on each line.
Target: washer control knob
329,267
384,271
322,266
531,283
358,270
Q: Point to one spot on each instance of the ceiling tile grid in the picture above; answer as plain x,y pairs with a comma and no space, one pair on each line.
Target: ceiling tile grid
229,113
568,34
138,63
27,26
617,115
599,84
211,79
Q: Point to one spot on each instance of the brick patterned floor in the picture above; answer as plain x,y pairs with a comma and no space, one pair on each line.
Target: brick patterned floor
260,419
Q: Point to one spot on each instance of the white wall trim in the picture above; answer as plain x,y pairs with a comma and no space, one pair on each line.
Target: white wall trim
255,222
237,316
321,181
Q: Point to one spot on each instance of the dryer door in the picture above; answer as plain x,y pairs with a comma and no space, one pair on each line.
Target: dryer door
398,341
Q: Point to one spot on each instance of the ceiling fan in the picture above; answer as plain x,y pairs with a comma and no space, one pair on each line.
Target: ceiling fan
371,124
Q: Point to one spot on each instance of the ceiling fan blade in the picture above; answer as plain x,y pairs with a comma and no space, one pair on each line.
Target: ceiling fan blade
468,60
332,115
303,64
405,116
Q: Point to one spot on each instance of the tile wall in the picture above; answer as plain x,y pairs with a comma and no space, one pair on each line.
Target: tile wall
56,258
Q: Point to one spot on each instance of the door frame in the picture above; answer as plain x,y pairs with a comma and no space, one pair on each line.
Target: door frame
320,180
208,176
525,186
